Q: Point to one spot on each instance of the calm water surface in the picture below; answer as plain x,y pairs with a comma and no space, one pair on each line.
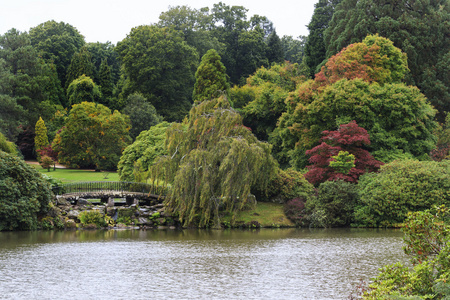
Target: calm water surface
193,264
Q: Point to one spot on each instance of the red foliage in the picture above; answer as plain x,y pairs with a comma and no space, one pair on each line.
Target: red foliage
48,151
349,137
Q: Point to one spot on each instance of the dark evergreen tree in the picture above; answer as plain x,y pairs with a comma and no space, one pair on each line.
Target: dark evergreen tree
275,53
106,84
81,64
315,51
293,49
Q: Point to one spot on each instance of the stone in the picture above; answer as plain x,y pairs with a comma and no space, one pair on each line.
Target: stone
143,221
62,201
82,201
73,214
110,202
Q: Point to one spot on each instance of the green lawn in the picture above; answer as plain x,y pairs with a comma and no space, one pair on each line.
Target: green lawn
267,214
76,175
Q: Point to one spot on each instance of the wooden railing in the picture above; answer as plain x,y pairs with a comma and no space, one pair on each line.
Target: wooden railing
108,186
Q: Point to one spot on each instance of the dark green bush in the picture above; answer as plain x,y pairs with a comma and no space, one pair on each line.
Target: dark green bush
24,194
401,187
333,205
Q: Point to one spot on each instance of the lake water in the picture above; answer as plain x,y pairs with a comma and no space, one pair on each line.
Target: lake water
193,264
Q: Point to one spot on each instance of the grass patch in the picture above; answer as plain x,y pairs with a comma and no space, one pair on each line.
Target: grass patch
76,175
265,213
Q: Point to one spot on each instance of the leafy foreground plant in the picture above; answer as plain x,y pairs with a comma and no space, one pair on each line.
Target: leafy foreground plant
427,238
24,194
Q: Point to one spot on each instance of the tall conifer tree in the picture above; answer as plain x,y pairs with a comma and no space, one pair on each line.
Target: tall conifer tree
210,78
41,139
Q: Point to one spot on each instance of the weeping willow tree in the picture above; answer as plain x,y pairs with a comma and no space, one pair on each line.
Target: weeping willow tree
213,163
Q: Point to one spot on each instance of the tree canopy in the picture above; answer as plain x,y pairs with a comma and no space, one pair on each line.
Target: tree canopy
93,137
212,164
419,28
160,65
398,118
210,78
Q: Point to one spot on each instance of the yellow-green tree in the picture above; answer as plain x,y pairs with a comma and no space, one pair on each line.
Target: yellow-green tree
213,162
41,139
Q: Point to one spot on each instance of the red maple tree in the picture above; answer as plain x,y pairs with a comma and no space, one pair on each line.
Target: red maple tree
349,137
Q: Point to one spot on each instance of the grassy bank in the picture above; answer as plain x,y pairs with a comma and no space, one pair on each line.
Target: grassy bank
266,214
76,175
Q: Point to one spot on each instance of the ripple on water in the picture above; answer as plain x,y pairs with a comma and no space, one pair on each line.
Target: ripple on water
268,264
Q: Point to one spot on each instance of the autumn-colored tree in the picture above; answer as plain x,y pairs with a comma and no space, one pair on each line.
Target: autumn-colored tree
49,152
213,162
327,158
375,59
40,139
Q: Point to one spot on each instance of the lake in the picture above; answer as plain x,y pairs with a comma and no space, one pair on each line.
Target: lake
193,264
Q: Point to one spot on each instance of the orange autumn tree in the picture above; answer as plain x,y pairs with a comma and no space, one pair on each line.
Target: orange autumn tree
375,59
363,83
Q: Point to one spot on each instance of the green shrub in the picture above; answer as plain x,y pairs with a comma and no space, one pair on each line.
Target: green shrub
24,194
401,187
7,146
289,184
92,217
334,204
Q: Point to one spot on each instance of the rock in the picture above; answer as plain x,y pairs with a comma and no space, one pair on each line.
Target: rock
162,227
172,227
110,202
70,224
62,201
82,201
73,214
144,221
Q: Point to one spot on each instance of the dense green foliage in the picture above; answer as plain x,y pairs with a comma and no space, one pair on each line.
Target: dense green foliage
26,81
264,95
160,65
210,78
419,28
142,114
401,187
138,157
24,194
83,89
334,204
286,185
7,146
93,137
81,64
57,42
427,239
213,162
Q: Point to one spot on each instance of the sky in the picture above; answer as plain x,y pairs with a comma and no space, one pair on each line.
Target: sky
112,20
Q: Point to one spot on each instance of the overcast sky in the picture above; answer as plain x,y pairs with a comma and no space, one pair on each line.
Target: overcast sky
112,20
